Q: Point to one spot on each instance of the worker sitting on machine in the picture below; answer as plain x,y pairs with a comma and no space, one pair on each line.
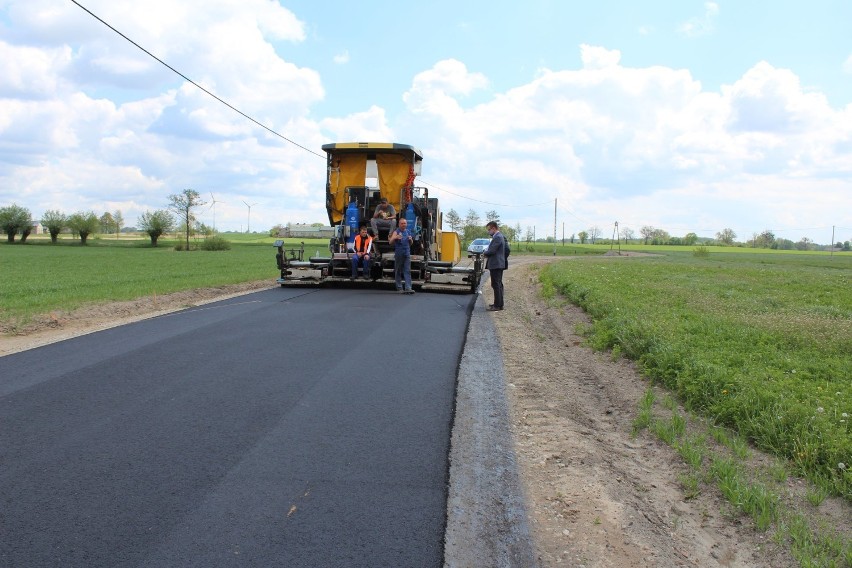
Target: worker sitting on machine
361,253
384,217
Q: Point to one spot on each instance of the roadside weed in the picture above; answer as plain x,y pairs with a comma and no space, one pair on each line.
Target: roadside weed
751,491
692,452
644,417
690,484
817,494
615,355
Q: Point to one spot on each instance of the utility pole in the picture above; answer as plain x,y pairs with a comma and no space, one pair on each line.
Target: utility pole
554,226
832,242
616,237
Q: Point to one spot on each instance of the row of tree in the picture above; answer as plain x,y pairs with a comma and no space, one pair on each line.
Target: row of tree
472,227
16,220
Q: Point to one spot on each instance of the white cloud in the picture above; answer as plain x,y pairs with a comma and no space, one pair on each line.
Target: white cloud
701,25
370,125
64,146
594,57
645,145
341,58
767,99
432,90
31,72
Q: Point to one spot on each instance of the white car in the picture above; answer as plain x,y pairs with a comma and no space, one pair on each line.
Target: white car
478,246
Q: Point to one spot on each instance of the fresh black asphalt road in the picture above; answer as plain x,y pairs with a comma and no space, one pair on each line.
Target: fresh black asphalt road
289,427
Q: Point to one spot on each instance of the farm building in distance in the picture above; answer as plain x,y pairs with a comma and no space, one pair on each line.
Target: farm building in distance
305,231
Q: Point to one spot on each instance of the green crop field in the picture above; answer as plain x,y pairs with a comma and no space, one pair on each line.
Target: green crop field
761,343
39,277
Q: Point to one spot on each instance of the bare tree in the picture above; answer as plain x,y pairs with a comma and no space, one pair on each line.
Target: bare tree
594,233
454,220
107,223
627,234
804,244
647,233
118,221
473,227
472,219
183,203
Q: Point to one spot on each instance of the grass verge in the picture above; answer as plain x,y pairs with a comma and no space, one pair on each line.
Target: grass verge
753,490
39,277
759,343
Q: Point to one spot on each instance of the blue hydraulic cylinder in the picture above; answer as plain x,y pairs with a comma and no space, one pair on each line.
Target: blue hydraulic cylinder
411,217
353,219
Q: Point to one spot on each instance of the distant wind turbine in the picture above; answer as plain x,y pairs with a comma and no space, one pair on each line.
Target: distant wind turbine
213,207
248,224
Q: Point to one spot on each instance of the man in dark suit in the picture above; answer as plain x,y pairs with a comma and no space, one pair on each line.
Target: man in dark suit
495,262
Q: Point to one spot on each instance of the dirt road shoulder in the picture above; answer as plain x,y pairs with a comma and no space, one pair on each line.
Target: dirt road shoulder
596,495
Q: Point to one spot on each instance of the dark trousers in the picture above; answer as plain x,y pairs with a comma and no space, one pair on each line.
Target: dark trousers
364,261
497,286
402,270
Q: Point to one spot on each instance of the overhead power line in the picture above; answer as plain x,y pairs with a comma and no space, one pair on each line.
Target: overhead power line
226,103
267,128
548,202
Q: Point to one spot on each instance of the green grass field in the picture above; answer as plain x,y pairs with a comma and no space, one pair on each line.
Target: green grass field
761,343
39,277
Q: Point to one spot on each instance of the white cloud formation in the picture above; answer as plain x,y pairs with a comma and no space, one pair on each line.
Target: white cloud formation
63,145
341,58
594,57
432,91
370,125
31,72
647,146
701,25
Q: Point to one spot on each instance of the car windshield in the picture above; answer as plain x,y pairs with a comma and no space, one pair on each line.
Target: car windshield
481,242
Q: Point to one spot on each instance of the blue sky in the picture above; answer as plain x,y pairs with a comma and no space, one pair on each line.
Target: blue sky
689,116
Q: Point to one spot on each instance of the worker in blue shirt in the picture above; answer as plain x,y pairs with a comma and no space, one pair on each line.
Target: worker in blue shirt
401,238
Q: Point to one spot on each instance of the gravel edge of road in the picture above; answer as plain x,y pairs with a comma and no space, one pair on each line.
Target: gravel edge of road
486,508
